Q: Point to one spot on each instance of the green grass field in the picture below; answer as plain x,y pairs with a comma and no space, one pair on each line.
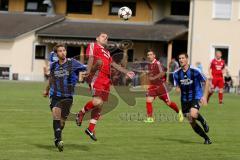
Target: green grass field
26,130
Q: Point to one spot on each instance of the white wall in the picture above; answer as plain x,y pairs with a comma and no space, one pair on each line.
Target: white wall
19,54
208,32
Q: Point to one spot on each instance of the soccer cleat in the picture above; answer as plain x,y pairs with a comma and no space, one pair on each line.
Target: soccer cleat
207,141
149,120
79,118
91,134
206,127
60,146
180,116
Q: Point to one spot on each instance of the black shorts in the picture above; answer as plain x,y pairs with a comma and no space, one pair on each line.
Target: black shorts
65,103
186,106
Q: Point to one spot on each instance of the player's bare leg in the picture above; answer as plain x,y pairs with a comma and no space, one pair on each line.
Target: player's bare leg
149,108
192,116
57,127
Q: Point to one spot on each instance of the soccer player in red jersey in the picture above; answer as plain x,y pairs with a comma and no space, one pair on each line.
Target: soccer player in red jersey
157,88
98,75
216,71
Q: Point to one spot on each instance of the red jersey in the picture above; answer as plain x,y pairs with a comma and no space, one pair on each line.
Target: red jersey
100,53
154,69
217,67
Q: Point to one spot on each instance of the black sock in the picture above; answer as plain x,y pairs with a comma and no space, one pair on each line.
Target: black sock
200,131
57,130
201,120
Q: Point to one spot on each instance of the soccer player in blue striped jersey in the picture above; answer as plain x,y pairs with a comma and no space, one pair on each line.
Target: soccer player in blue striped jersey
190,81
63,78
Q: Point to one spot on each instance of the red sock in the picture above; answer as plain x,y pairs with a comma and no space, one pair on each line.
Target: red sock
149,109
91,127
95,115
220,97
174,106
88,107
209,95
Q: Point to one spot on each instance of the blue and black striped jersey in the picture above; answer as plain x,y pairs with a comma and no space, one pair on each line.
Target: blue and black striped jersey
190,83
63,78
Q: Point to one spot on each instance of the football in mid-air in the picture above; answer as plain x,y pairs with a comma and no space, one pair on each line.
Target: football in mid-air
125,13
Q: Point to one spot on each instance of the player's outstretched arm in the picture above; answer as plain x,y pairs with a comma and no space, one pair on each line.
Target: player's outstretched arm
130,74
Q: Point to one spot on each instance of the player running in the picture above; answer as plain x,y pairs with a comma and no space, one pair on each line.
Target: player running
216,71
63,78
157,88
98,75
190,80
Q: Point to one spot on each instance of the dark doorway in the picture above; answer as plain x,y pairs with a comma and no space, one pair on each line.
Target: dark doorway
73,51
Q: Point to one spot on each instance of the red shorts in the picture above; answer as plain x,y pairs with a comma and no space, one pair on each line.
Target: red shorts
100,87
158,91
217,82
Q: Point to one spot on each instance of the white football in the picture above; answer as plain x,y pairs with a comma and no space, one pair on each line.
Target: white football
125,13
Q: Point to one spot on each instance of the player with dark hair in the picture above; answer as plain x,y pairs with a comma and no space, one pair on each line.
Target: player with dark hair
98,75
63,78
157,87
216,71
190,80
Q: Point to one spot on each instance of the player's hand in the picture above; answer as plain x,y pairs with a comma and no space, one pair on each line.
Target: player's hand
85,74
203,101
178,90
210,77
130,74
45,93
151,78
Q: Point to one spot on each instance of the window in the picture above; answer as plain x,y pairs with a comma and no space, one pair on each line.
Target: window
115,6
40,51
35,6
222,9
79,6
180,7
130,55
3,5
225,53
73,52
4,73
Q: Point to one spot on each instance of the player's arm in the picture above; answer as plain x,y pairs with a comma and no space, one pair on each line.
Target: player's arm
89,64
130,74
47,88
206,92
175,78
210,71
205,81
160,75
224,70
92,65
